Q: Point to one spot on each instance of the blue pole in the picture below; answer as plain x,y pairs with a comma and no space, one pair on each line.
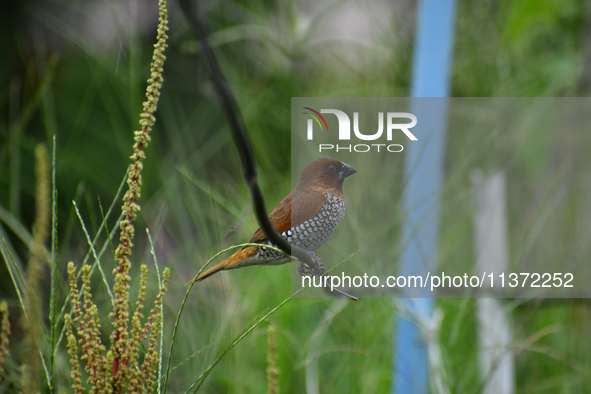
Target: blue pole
424,174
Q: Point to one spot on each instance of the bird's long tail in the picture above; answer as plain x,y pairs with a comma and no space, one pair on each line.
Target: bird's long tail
242,254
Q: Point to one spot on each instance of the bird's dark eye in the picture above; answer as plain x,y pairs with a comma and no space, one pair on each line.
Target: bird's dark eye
331,168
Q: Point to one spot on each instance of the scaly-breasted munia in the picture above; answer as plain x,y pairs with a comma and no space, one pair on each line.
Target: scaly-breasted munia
307,217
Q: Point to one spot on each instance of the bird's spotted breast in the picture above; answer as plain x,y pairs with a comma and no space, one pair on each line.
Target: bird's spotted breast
314,232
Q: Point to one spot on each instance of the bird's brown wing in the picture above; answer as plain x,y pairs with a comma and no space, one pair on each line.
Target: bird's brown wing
297,207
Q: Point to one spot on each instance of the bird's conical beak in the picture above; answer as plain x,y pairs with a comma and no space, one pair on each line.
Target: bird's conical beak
346,170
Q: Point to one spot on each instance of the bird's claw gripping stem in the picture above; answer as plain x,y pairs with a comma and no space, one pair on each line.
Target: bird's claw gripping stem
317,269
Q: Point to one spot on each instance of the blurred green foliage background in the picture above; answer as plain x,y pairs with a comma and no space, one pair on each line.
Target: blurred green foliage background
78,70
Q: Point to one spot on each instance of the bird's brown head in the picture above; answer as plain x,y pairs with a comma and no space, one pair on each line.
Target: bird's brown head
326,173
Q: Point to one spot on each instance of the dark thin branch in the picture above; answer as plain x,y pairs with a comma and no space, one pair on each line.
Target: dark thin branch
241,139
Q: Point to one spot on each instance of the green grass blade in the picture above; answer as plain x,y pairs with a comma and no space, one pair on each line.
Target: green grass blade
45,369
111,207
96,257
197,384
54,268
202,377
16,227
14,271
161,312
20,231
215,196
180,312
105,224
64,306
198,352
